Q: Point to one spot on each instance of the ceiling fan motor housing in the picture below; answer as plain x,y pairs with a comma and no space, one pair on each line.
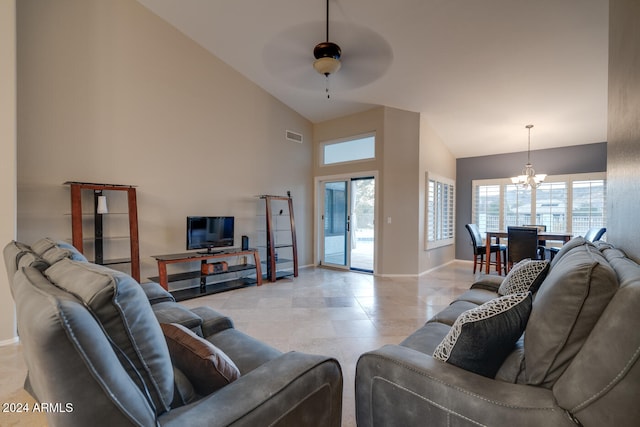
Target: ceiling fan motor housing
327,56
327,50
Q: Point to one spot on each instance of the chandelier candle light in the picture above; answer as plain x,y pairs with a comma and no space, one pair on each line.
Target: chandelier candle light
528,179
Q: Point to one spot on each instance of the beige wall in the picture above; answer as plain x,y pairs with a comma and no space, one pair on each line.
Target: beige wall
435,158
623,147
371,121
110,93
400,204
406,148
7,159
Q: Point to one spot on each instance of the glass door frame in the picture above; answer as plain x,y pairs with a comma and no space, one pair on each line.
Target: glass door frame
319,212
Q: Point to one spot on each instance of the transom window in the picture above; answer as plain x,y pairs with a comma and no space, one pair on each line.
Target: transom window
349,150
563,203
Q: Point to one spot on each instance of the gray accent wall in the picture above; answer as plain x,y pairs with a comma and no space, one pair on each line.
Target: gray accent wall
623,133
555,161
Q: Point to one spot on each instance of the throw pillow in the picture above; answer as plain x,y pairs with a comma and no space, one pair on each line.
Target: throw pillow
205,365
481,338
525,276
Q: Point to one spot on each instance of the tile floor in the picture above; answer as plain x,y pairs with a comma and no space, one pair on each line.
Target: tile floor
340,314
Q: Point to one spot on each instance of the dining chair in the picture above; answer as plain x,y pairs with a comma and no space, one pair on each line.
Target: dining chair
480,249
522,243
542,244
595,233
592,235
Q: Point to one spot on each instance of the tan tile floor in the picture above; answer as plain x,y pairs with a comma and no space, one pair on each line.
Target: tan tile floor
339,314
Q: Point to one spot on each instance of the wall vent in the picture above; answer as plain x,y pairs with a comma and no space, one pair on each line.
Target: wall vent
294,136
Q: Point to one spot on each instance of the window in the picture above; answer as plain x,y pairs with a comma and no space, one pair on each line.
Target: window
517,206
551,206
563,203
350,150
588,205
440,216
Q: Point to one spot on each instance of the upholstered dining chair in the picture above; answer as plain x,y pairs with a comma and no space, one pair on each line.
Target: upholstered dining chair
522,244
480,249
542,244
593,235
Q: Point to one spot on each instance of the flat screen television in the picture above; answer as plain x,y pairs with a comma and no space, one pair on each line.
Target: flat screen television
209,232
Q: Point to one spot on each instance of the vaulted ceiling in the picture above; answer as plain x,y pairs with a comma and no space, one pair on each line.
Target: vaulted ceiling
479,71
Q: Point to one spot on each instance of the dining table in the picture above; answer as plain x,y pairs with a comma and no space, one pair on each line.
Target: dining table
542,235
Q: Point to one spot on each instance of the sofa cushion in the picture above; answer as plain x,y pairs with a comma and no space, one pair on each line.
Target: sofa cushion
449,315
205,365
567,247
14,252
70,359
121,307
477,296
427,338
53,251
567,306
481,338
525,276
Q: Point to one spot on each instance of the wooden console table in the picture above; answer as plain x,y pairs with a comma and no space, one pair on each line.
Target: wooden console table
205,289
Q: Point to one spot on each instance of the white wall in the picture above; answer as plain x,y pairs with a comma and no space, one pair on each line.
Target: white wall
110,93
7,158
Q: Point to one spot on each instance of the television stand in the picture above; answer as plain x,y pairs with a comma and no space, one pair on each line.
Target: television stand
210,252
207,288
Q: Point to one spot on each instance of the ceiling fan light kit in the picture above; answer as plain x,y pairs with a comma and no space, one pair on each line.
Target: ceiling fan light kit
327,56
529,178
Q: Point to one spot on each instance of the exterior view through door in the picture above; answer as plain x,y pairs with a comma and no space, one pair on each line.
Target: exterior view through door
348,232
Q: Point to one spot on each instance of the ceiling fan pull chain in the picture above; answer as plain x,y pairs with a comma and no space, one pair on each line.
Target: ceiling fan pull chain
326,79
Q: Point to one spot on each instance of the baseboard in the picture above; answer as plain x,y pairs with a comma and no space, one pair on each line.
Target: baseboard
437,267
10,341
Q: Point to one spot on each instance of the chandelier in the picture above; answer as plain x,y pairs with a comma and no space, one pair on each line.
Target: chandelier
528,179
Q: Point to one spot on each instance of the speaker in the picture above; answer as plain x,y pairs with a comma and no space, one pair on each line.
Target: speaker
245,243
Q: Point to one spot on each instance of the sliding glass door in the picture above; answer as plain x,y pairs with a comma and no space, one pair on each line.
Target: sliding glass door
348,237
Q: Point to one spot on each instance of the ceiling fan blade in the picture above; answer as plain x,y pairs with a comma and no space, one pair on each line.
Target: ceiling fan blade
366,56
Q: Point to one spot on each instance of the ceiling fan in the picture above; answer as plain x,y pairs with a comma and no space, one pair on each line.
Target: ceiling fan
367,55
327,56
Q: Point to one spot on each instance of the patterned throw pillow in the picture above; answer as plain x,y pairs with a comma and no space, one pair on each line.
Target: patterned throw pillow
481,338
525,276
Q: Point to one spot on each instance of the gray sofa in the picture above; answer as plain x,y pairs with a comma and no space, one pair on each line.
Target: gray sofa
575,364
95,350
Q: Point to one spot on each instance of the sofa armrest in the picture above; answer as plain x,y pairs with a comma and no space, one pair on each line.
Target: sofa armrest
156,293
294,389
396,385
488,282
212,321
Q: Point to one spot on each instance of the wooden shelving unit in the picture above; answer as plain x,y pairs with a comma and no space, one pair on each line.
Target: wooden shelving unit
280,234
98,237
206,288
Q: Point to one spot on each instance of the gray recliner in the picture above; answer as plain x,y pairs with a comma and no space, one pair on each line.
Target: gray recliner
94,347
